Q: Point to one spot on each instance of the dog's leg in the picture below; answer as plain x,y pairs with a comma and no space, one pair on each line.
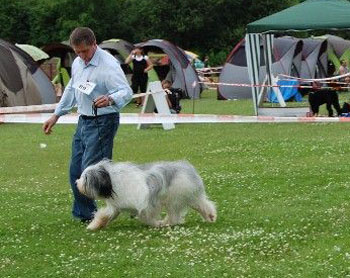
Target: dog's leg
315,110
151,216
313,104
176,209
337,105
206,208
176,215
330,110
102,217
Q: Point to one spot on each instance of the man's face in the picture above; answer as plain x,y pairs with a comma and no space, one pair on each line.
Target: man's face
85,52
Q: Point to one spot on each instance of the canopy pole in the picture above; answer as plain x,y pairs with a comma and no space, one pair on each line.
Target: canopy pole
271,80
252,49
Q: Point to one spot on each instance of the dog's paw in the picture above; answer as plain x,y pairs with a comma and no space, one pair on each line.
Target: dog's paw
94,226
163,223
212,217
157,224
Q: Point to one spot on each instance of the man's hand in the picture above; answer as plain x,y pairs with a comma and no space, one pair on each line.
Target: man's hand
47,126
102,101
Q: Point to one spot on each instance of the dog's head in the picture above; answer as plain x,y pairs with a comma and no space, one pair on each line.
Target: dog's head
95,182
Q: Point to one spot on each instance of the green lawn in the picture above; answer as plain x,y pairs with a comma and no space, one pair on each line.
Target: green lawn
208,104
282,193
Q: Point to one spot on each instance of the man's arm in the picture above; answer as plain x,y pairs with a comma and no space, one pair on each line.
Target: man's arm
47,126
67,101
119,92
64,106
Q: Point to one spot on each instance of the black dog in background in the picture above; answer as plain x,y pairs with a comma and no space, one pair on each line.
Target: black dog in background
328,97
319,96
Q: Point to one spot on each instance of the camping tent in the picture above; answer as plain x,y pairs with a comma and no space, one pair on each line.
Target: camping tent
314,59
338,50
194,59
286,57
120,49
22,82
180,70
306,16
63,51
36,53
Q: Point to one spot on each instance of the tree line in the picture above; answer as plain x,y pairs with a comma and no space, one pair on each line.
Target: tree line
209,27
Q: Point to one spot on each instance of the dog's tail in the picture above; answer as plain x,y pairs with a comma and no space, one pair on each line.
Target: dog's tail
206,208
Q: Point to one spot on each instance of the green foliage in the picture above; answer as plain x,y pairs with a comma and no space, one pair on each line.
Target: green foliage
218,58
206,26
14,18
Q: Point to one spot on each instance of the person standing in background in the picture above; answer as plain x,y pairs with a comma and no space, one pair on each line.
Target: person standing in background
141,65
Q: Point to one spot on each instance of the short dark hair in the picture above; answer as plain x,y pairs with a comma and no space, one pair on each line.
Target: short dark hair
166,82
82,35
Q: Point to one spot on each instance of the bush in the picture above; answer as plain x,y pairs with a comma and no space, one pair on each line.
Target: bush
217,58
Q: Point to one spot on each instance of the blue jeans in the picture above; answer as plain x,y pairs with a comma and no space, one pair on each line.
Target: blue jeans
92,141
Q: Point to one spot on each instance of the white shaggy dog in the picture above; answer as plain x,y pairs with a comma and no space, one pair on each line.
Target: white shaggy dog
145,190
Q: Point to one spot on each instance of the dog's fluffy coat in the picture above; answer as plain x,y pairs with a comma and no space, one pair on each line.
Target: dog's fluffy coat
145,190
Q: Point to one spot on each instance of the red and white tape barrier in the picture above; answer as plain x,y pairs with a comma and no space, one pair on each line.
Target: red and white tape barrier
151,118
239,84
28,109
323,82
210,69
46,107
264,85
316,79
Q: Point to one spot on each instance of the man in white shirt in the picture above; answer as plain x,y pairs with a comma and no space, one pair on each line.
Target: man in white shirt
100,90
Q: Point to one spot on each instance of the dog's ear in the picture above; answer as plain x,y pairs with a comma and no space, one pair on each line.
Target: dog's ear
91,183
104,185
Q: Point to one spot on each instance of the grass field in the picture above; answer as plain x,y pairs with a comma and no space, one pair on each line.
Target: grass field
208,104
282,193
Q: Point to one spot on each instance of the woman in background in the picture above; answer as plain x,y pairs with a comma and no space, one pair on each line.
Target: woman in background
141,65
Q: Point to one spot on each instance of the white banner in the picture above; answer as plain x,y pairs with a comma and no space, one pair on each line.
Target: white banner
152,118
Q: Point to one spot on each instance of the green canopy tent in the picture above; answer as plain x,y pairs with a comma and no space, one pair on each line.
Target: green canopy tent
307,16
